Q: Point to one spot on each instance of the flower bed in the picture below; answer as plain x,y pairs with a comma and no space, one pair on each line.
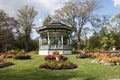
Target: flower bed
58,65
16,54
5,63
6,55
57,62
108,60
11,53
91,54
97,54
22,57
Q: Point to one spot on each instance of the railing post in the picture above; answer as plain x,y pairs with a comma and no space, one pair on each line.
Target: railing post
62,40
70,41
62,44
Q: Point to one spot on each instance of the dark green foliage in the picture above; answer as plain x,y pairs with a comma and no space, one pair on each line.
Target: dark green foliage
94,42
82,56
103,42
47,20
33,44
7,37
22,57
6,40
75,51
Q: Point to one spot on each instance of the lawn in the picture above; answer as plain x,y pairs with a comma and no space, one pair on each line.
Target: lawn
29,70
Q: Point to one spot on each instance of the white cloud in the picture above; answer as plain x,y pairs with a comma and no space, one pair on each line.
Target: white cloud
116,3
42,6
51,5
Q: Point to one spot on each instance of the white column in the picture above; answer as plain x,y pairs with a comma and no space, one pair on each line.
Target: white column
62,39
48,38
62,44
40,42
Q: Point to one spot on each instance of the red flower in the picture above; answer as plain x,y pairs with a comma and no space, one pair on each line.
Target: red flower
49,57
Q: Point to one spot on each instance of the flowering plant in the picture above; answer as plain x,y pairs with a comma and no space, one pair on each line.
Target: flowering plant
50,57
53,57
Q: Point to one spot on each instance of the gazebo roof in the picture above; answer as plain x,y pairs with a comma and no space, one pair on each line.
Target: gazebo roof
55,25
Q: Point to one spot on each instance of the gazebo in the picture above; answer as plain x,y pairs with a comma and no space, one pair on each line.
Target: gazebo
54,36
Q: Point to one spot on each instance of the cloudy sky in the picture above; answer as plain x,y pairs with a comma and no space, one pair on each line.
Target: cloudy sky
45,7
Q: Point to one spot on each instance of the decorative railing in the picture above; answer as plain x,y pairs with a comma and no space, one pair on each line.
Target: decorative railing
55,47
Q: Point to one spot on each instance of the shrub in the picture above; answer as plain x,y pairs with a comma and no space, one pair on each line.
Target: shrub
75,51
12,52
55,53
22,57
16,52
85,56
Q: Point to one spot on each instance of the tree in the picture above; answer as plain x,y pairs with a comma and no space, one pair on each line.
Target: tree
47,20
84,34
95,22
94,43
33,44
8,30
25,18
116,19
77,15
102,30
101,23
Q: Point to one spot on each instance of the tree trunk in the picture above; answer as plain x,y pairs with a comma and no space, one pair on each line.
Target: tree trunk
26,45
79,43
27,42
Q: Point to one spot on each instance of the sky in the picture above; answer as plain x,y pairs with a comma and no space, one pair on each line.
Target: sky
45,7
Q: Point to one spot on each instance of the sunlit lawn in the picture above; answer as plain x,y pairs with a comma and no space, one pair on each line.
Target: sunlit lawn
29,70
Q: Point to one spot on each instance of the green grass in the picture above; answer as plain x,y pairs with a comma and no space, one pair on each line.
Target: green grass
29,70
